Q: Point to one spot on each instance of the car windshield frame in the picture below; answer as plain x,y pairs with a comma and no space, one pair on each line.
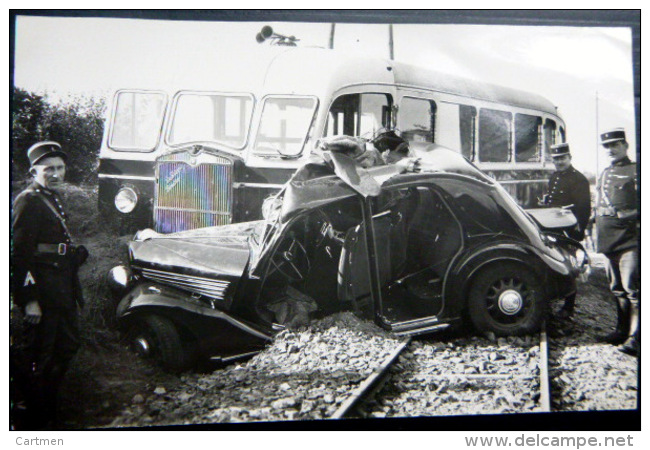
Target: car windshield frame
301,135
246,121
273,227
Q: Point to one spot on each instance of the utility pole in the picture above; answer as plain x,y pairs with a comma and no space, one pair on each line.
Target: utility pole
391,51
597,139
332,29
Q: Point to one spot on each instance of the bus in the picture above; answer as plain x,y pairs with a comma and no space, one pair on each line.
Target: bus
208,146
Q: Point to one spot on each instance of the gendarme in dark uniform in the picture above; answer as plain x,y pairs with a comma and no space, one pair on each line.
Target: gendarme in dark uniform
617,237
569,188
45,284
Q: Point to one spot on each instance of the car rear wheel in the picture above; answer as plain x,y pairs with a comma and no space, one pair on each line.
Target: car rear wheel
157,338
506,299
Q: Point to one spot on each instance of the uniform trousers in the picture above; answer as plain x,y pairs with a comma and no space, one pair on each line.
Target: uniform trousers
42,359
623,274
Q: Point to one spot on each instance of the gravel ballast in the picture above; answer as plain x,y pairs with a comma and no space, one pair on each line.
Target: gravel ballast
302,375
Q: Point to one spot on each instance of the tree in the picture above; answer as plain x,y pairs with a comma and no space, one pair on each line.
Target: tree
77,124
28,115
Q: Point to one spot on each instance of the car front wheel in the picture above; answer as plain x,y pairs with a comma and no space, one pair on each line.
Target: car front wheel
157,338
506,299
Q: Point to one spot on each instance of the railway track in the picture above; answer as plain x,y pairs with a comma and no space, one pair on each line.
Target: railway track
369,386
425,379
352,370
316,373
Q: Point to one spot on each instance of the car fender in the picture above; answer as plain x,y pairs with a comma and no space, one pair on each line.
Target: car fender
176,305
476,260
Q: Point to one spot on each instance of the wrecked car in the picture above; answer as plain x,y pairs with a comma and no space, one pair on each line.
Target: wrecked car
416,246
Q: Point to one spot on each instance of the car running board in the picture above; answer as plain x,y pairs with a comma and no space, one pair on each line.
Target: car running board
417,326
233,358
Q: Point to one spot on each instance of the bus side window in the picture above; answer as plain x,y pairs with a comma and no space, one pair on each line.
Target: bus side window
495,135
549,138
359,115
468,131
528,138
418,119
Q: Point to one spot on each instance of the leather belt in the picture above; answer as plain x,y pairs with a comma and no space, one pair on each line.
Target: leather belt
59,249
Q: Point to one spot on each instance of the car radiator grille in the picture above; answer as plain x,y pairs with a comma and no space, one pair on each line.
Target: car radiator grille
215,289
192,196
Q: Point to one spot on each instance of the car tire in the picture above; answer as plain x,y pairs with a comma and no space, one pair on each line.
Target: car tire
159,339
506,299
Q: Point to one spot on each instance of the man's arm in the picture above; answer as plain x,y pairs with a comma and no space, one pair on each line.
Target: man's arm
25,226
582,202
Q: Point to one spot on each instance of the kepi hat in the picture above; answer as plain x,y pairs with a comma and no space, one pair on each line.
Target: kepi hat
614,135
558,150
44,149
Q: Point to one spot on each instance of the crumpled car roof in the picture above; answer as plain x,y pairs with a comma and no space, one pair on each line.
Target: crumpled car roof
316,183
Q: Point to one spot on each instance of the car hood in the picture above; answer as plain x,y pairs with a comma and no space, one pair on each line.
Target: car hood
553,218
209,252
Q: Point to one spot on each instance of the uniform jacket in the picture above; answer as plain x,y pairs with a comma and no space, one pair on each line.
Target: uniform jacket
47,277
616,208
571,187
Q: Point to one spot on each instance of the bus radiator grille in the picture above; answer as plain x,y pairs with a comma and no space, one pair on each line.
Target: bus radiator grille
192,196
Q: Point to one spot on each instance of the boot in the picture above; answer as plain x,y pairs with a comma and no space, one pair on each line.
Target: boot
631,344
567,309
621,332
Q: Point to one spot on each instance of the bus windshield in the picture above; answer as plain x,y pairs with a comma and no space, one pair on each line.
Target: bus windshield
207,117
137,119
284,126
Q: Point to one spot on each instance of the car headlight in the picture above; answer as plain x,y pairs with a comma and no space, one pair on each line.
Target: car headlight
126,200
145,234
120,278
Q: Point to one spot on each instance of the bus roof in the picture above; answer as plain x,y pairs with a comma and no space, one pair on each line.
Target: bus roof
313,70
322,72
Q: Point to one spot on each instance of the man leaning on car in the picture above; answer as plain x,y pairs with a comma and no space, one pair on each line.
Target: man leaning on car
568,188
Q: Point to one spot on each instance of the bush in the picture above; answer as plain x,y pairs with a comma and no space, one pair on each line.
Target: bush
77,124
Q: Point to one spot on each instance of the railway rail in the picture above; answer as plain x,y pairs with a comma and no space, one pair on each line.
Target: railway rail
311,374
414,386
346,368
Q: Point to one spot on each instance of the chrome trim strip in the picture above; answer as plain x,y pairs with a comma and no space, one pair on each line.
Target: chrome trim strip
189,282
441,326
175,275
126,177
258,185
233,358
211,288
415,322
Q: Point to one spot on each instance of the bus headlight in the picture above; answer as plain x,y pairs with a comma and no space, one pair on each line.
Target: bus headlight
126,200
120,279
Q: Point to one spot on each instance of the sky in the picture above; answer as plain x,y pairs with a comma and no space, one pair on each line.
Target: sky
586,72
